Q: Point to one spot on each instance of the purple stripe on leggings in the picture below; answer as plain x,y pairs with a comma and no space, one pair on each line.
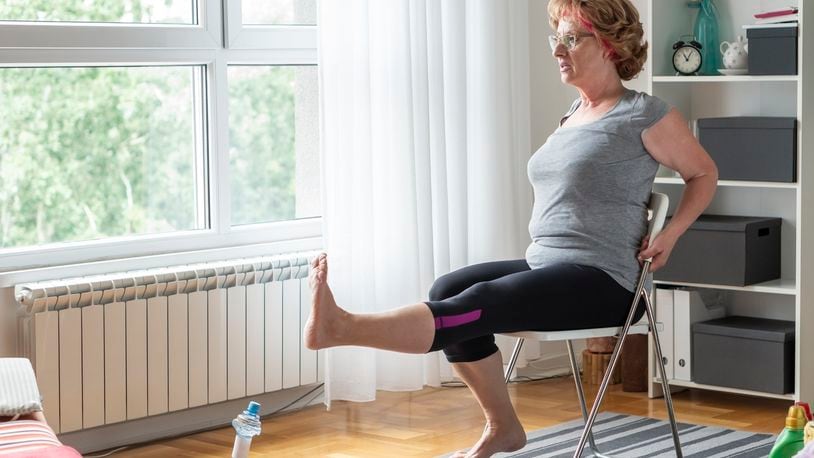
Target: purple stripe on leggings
456,320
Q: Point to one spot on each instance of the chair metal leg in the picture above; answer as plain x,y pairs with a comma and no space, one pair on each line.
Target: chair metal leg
581,395
513,360
668,399
603,387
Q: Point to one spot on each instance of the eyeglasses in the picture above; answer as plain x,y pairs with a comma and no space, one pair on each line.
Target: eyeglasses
567,40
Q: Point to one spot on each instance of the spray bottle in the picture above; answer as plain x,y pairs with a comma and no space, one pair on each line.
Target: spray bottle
790,440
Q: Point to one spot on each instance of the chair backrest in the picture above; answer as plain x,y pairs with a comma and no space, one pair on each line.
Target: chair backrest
658,210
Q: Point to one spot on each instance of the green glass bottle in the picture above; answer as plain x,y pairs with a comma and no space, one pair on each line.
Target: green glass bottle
706,33
790,440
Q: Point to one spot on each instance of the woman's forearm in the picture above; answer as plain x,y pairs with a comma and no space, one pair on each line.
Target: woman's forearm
697,195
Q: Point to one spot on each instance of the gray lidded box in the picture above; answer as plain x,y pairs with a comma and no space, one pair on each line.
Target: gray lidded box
726,250
744,352
751,148
773,50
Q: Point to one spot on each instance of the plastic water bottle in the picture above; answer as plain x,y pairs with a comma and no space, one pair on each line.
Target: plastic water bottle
247,425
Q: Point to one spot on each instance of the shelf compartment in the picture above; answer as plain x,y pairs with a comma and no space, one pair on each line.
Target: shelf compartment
726,389
755,201
726,79
735,183
779,286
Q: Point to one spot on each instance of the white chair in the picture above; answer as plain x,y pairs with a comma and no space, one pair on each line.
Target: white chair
658,211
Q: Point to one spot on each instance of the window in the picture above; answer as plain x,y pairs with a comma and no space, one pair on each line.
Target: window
273,125
155,126
89,153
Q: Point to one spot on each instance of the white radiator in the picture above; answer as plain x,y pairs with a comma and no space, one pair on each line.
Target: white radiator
120,347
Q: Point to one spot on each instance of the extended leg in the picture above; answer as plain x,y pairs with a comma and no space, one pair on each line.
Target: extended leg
408,329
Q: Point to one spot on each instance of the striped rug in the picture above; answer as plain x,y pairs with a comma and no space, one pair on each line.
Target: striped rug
621,435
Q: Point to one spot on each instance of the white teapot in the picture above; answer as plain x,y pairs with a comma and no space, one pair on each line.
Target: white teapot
735,53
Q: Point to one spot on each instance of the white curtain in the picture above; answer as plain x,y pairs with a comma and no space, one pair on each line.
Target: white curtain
425,139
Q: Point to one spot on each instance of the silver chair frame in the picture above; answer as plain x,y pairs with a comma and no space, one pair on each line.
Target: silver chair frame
589,418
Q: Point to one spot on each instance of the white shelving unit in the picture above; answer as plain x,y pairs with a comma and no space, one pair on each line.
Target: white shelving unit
724,389
742,184
779,286
723,79
792,296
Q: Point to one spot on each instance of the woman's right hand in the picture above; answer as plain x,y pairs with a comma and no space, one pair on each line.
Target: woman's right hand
659,251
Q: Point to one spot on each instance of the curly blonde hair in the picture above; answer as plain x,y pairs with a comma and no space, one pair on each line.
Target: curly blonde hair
616,25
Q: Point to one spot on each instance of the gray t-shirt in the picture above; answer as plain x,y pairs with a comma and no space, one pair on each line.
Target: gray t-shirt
592,183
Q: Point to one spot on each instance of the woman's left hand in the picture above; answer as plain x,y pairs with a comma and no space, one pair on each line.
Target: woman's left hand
659,250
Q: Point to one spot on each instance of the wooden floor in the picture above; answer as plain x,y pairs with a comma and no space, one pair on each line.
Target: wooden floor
439,420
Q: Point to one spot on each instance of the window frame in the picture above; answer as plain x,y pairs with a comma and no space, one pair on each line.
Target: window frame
205,34
83,44
240,36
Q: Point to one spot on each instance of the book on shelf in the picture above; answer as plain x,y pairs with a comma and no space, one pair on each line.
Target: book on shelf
775,13
664,315
691,306
790,14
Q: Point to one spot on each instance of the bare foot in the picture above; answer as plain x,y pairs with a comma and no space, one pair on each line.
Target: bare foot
496,439
323,328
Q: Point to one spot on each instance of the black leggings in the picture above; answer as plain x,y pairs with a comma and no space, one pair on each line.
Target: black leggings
473,303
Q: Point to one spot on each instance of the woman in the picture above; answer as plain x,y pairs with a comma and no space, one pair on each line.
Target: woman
592,180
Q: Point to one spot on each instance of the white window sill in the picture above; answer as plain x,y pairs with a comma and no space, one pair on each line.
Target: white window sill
125,254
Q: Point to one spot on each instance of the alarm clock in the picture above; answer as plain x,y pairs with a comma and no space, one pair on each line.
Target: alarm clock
687,57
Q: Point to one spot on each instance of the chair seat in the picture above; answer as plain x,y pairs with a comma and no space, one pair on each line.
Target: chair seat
549,336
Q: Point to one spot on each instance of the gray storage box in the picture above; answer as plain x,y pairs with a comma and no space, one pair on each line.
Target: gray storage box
751,148
726,250
744,352
772,51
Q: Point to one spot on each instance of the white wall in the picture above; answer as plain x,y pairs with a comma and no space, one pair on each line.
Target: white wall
550,98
